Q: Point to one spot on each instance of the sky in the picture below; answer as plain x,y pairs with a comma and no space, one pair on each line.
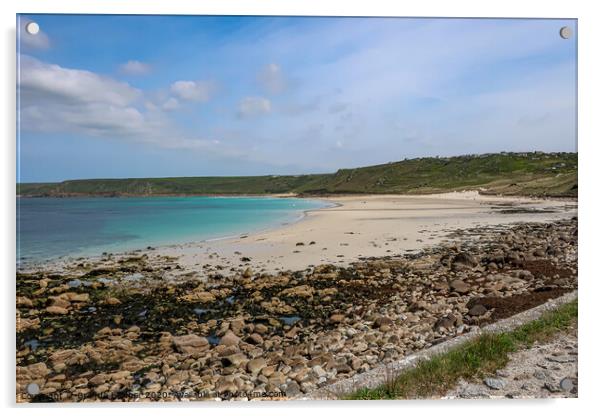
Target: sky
104,96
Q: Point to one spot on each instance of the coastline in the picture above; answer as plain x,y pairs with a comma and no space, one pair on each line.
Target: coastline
351,228
57,261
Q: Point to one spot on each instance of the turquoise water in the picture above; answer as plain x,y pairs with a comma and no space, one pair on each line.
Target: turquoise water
49,228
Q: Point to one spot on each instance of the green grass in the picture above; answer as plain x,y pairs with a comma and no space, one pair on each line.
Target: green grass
535,173
470,361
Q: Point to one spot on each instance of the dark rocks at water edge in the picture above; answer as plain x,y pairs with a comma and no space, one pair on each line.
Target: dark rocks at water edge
114,337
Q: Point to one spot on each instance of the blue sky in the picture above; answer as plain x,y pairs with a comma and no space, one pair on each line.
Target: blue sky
153,96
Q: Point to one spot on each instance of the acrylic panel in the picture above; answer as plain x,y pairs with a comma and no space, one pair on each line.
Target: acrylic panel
284,208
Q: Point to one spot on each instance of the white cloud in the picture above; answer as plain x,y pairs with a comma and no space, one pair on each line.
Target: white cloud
272,79
134,67
38,41
253,106
40,81
171,104
200,91
58,99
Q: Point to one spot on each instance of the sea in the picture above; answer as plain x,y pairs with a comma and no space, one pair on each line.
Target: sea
54,228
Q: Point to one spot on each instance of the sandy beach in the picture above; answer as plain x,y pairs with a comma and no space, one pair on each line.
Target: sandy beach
351,229
363,226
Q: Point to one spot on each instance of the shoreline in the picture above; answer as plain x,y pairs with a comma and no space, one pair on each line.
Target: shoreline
305,195
361,227
125,195
352,226
96,257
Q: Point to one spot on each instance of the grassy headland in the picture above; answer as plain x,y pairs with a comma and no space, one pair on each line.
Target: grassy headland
534,173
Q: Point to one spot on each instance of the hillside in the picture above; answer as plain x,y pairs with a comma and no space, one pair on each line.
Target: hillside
536,173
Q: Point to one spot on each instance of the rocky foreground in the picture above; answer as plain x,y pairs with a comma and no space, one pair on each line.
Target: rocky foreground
117,329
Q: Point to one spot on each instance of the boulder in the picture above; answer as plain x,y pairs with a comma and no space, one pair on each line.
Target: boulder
292,389
277,378
36,371
255,338
57,310
524,274
494,383
236,360
337,318
237,325
200,296
448,321
261,329
77,297
99,379
459,286
112,301
477,310
229,339
59,301
24,302
256,365
382,321
303,291
225,386
464,260
417,306
190,344
319,371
